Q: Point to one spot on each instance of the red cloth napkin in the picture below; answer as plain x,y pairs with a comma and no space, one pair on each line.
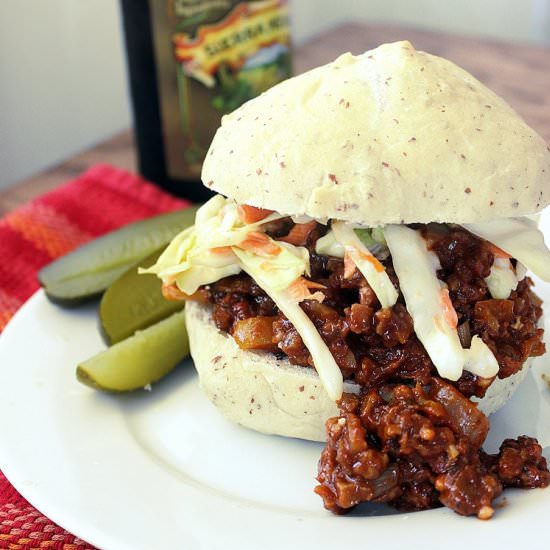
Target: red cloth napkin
100,200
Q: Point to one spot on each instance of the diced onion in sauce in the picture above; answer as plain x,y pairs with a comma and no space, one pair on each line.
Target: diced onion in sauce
502,279
480,359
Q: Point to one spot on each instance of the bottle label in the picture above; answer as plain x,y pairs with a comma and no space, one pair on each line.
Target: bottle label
222,53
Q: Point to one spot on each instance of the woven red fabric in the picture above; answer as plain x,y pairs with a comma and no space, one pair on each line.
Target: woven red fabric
100,200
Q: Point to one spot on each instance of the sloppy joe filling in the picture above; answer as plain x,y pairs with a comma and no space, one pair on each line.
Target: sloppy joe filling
420,317
410,438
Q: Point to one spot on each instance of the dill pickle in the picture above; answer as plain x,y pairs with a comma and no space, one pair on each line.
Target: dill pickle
87,271
134,302
140,360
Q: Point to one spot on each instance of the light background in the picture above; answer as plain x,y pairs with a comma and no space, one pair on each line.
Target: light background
63,82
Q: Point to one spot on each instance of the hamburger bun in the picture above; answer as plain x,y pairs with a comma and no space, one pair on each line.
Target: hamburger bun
390,136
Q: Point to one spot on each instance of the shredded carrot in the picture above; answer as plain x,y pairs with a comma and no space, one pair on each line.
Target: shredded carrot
299,290
251,214
171,292
221,250
299,233
438,324
448,309
372,260
349,266
259,243
498,252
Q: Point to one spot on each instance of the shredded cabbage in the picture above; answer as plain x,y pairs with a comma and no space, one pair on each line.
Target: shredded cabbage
329,246
373,239
276,272
416,267
519,237
204,253
365,236
368,265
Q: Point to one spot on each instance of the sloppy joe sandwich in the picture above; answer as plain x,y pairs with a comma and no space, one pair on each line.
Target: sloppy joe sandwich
361,277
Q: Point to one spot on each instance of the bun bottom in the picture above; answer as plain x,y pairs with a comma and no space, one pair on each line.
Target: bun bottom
269,395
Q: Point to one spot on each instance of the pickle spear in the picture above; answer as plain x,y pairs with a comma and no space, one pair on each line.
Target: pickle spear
87,271
140,360
134,302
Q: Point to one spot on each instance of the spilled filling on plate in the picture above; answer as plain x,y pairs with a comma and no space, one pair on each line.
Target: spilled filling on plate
421,317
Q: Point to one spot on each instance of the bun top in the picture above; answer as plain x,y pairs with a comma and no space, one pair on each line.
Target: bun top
390,136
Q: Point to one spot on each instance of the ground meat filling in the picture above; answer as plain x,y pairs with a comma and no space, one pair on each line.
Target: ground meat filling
410,438
417,447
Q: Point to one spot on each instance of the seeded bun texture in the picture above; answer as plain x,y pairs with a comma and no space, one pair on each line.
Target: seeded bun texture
269,395
393,135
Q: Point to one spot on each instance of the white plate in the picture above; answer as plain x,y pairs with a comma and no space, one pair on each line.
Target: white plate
162,469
